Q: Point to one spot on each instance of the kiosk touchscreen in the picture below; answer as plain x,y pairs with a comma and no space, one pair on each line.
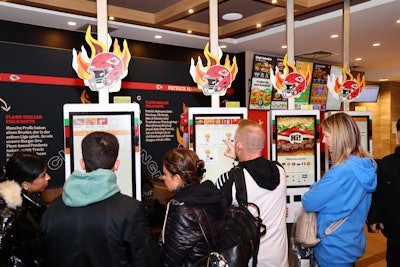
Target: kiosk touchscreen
122,120
208,127
296,146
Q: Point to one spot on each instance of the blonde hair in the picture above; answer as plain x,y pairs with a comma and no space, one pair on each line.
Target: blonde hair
346,137
251,135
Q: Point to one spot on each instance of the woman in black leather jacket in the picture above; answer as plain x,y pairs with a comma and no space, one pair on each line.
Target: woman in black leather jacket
193,204
22,179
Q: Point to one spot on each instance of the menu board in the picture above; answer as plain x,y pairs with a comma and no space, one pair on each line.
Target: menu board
319,89
263,95
260,93
295,148
304,97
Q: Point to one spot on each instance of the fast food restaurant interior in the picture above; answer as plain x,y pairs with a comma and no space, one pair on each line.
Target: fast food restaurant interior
168,30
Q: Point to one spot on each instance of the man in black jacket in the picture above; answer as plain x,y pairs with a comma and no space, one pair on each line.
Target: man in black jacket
93,224
385,209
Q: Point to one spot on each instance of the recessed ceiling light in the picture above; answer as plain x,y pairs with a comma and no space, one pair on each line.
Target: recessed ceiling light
232,16
158,36
358,59
384,80
111,18
190,11
71,23
189,31
274,1
284,46
334,36
258,25
398,21
376,44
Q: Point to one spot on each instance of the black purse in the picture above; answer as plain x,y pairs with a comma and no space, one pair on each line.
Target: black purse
232,256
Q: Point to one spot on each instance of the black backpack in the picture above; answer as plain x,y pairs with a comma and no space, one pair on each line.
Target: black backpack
243,226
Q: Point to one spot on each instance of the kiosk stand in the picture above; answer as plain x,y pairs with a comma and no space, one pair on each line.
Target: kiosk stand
296,146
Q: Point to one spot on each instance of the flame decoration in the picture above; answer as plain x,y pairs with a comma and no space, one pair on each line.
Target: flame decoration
297,81
82,63
349,89
213,78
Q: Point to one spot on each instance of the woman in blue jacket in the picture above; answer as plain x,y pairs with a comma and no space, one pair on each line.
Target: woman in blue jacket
344,191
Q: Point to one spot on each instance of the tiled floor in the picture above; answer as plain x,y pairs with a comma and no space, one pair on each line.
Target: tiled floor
375,253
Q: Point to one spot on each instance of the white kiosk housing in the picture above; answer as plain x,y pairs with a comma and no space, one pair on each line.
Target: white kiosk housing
122,120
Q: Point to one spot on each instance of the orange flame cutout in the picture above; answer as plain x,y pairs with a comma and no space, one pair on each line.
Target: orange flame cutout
280,78
199,70
85,97
349,77
96,46
211,59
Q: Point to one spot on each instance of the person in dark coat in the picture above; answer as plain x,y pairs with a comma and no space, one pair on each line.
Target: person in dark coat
193,204
385,209
22,179
92,224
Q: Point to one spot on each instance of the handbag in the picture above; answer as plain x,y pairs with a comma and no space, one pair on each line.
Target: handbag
305,232
232,256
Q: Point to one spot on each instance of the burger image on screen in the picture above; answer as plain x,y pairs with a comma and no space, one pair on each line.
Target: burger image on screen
295,134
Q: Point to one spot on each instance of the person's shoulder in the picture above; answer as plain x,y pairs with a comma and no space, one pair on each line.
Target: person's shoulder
122,198
223,179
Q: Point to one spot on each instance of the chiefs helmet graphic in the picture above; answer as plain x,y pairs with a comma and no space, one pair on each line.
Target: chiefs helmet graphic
349,90
218,78
106,69
294,84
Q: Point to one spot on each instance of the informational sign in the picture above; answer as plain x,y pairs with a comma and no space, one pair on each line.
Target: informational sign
260,93
295,145
304,98
209,127
319,89
122,120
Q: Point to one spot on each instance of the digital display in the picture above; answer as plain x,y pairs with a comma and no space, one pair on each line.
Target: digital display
295,145
207,132
369,94
363,126
124,126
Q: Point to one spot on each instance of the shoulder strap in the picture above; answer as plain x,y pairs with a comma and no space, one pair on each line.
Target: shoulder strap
336,224
240,184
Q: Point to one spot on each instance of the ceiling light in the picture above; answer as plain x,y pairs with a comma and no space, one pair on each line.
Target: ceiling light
111,18
71,23
189,31
232,16
222,46
358,59
274,1
334,36
190,11
284,46
398,21
384,80
376,44
258,25
158,36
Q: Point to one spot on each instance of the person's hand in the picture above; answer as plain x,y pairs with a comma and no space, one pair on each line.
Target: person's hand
376,227
230,150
